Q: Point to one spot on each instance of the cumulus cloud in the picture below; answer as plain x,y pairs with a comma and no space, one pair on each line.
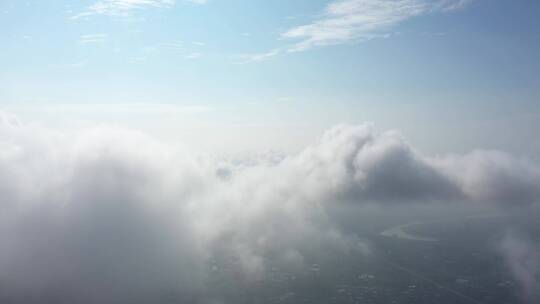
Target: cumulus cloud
109,215
494,176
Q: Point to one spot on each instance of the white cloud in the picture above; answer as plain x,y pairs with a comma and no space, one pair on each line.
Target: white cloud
345,21
122,7
174,46
93,38
194,55
119,212
348,20
248,58
198,1
190,50
452,5
8,120
74,65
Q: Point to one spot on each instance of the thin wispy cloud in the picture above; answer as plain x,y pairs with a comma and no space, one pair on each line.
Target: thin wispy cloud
452,5
197,1
359,20
122,7
257,57
346,21
93,38
194,55
354,20
174,46
74,65
189,50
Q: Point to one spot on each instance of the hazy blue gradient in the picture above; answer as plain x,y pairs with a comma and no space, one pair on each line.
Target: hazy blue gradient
452,80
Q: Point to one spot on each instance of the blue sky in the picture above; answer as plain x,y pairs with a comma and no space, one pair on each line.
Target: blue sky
453,75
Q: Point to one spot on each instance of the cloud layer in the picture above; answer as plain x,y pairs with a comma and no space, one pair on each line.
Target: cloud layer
111,215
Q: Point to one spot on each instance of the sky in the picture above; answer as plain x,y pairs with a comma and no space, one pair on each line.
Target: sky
452,75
